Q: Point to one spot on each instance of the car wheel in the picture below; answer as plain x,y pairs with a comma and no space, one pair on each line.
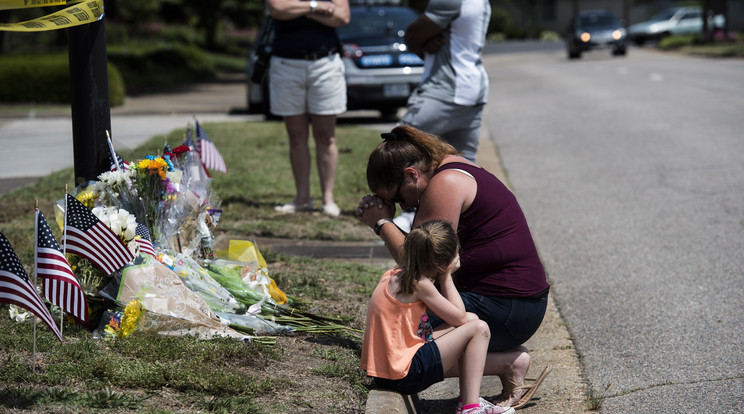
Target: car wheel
620,51
573,52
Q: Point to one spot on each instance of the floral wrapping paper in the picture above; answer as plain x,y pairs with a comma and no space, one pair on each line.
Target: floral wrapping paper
170,307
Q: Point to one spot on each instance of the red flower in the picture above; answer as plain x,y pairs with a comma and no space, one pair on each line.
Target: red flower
181,149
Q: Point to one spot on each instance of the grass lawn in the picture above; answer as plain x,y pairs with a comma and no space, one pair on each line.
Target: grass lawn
303,372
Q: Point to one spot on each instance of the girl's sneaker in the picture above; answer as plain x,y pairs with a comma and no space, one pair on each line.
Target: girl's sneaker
490,410
486,407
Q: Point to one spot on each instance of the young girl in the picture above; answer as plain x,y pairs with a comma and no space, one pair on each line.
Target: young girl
400,350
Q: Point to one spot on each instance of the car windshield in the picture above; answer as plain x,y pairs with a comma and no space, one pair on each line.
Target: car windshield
377,21
665,15
597,20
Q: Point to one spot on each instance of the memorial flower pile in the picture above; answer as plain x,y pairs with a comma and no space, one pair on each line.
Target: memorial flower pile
163,210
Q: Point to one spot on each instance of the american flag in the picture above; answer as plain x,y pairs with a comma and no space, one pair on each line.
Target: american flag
88,237
166,148
188,141
144,242
210,156
114,158
17,289
59,284
119,159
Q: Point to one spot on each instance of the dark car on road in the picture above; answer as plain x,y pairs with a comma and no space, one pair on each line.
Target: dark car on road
595,29
380,72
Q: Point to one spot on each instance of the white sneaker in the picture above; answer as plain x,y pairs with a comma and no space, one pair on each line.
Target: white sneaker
293,208
331,210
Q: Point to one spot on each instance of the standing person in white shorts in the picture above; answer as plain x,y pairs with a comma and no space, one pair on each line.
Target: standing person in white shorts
307,86
450,36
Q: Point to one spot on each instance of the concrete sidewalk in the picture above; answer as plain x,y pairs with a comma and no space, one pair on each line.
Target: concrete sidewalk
38,142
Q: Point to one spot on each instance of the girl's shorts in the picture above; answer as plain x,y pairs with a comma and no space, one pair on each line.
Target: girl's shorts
426,369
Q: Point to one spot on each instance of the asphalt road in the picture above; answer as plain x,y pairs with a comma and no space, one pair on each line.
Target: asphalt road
631,174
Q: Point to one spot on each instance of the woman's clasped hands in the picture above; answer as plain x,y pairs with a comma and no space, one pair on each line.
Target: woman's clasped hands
373,208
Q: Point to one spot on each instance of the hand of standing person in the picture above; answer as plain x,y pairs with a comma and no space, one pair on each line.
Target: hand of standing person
334,13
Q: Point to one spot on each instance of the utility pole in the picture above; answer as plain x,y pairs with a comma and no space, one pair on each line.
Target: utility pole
89,100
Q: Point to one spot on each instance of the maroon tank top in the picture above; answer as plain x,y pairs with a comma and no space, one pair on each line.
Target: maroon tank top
498,256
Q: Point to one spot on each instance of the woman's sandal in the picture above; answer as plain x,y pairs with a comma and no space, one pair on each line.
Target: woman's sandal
530,388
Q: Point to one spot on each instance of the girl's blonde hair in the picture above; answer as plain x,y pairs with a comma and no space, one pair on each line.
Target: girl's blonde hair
428,249
403,147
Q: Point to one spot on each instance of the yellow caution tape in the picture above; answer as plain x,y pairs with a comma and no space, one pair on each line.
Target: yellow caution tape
26,4
81,13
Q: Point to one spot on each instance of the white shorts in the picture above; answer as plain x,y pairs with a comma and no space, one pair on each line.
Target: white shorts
300,86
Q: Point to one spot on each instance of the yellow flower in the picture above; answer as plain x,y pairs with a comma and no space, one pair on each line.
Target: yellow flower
87,197
131,317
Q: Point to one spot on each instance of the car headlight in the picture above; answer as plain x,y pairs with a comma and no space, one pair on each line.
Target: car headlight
585,37
653,28
618,34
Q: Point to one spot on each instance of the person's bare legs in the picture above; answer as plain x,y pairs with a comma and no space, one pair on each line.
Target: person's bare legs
463,352
511,367
326,153
299,155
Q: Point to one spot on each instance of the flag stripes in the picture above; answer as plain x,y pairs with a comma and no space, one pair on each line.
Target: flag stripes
99,245
146,247
210,156
60,286
88,237
17,289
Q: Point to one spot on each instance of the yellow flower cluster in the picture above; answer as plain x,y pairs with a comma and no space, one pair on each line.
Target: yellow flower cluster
131,318
154,166
87,197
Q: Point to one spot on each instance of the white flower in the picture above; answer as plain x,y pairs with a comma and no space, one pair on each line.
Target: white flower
18,314
119,221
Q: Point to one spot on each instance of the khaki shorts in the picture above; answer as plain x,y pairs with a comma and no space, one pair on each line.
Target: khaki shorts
299,86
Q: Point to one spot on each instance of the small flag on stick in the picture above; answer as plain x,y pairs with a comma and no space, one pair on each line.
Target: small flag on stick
145,244
17,289
117,162
60,286
88,237
210,156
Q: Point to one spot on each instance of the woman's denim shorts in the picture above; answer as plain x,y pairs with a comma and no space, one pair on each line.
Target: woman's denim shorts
426,369
512,321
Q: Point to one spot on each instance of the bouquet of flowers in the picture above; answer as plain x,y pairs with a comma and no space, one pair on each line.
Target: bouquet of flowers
155,180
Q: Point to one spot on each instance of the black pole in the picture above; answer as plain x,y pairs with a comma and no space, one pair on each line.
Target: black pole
89,100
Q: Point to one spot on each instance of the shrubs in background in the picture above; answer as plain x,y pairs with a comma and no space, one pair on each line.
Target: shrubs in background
733,46
148,66
46,79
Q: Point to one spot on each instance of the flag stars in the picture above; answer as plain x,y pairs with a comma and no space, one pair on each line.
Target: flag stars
8,260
